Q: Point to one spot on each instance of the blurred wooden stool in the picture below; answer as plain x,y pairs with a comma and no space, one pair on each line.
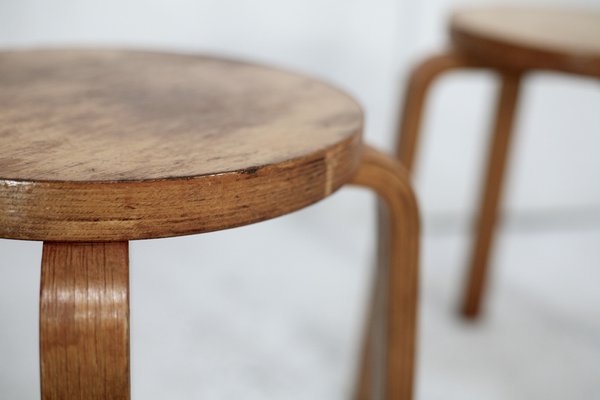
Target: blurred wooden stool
511,42
102,147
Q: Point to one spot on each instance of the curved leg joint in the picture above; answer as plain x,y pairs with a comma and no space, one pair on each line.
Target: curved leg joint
419,81
397,279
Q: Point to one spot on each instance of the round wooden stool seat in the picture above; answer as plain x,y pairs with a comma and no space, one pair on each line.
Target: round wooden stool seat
98,148
517,38
121,145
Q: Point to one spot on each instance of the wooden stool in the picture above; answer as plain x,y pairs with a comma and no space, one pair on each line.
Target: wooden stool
511,42
101,147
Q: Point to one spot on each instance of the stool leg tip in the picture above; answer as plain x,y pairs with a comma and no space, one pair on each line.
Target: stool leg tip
470,311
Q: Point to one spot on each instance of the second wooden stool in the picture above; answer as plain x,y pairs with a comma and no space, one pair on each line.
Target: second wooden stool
512,42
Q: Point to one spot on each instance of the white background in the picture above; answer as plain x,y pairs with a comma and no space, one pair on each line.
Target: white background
272,311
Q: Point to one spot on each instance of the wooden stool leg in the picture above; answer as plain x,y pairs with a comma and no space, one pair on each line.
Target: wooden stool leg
84,321
364,380
370,379
492,189
397,277
414,100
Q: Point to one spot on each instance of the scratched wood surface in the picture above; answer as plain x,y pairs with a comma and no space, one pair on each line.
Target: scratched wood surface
100,145
563,39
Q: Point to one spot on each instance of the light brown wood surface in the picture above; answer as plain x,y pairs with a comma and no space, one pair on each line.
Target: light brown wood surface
101,147
390,341
419,82
512,42
491,193
121,145
408,137
84,321
530,38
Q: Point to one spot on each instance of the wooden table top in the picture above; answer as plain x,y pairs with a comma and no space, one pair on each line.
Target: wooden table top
120,145
531,38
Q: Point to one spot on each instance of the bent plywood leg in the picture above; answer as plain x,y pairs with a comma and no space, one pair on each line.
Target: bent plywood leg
492,189
414,99
398,276
370,381
84,321
364,381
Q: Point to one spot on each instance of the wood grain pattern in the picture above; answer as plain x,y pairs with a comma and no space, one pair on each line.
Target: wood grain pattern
565,39
121,145
101,147
84,321
397,281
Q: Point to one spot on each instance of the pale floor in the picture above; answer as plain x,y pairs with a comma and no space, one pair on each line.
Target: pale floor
272,311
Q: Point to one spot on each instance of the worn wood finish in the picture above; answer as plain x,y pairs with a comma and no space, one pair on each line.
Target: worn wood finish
84,321
397,279
102,147
492,186
121,145
565,40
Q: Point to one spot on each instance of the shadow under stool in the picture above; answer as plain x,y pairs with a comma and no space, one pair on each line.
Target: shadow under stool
511,42
100,147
